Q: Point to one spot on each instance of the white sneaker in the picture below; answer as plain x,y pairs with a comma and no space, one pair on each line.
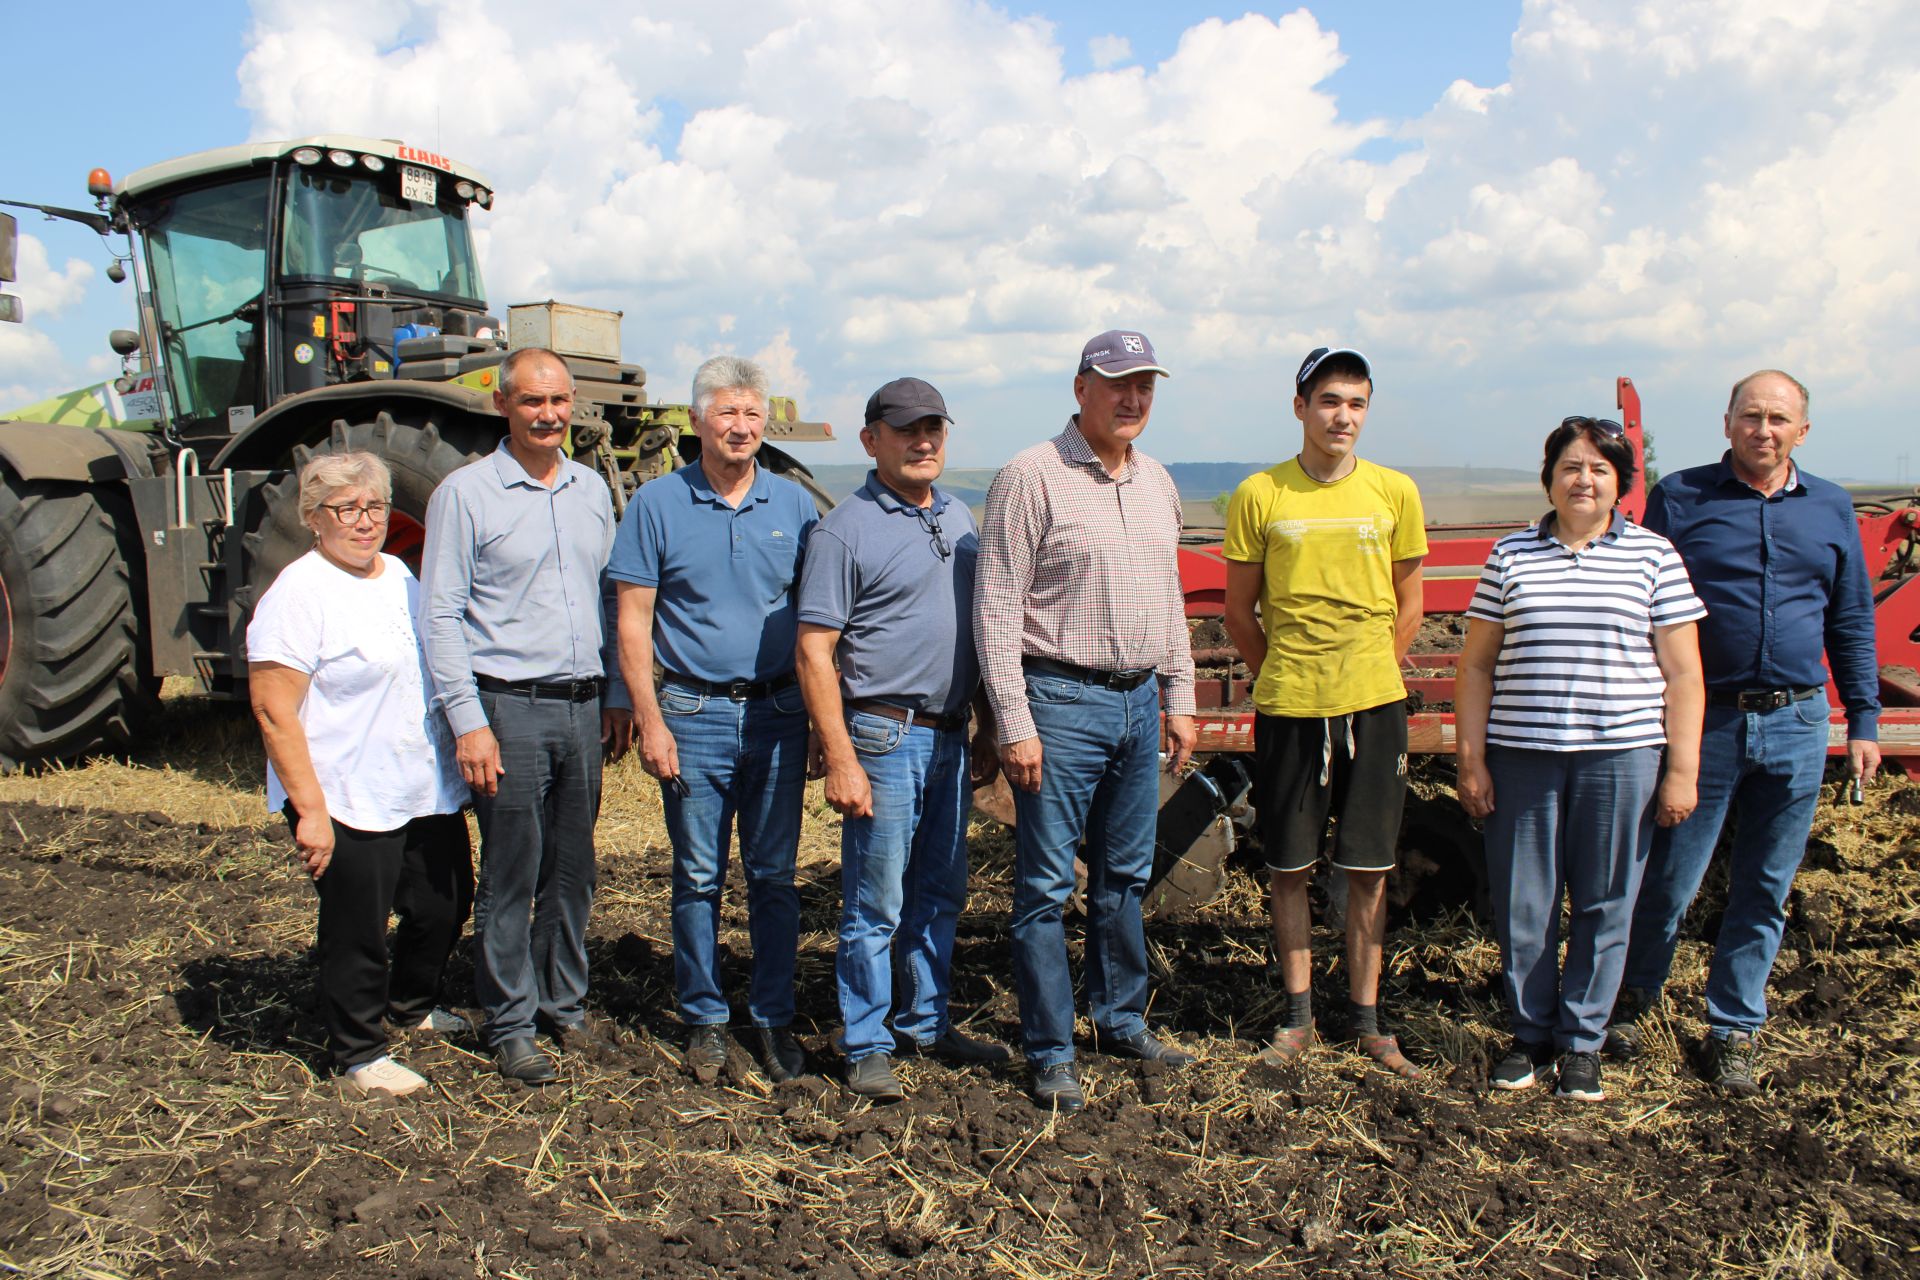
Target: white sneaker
384,1075
443,1022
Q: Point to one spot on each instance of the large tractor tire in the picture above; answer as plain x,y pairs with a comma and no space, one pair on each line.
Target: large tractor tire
419,450
76,677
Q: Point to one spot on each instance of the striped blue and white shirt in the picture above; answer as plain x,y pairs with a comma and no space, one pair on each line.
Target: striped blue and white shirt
1576,670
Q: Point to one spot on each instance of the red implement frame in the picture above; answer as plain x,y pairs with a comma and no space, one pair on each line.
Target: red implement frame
1455,553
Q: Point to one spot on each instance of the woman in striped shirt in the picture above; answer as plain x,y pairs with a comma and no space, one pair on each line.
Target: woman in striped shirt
1578,706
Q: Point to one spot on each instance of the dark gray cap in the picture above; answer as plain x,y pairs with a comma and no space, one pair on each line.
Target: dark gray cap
1118,352
1320,355
905,401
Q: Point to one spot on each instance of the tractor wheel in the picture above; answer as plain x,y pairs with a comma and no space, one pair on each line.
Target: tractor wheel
418,450
74,675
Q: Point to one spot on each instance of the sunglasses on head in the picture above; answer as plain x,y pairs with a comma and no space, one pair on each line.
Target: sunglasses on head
1605,426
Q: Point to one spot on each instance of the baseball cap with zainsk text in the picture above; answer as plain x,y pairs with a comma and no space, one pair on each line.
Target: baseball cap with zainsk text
1117,353
905,401
1320,355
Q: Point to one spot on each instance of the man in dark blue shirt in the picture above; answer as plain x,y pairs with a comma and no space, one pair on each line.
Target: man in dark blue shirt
1775,555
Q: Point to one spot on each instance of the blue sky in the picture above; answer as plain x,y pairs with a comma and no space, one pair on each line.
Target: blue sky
1492,199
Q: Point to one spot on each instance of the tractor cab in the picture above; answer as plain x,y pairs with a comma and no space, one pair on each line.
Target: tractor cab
273,269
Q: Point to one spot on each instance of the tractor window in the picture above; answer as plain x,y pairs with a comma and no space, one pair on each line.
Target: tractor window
356,229
208,251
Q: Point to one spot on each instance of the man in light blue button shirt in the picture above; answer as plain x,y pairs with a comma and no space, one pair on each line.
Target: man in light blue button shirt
706,562
519,642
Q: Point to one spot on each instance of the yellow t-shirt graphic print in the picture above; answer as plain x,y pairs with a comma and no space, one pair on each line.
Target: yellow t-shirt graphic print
1326,552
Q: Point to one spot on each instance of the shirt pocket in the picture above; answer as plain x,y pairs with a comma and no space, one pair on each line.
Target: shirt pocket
774,556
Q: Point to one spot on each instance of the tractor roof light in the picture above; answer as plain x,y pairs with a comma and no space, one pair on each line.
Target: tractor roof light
483,198
374,164
99,183
306,155
342,158
463,189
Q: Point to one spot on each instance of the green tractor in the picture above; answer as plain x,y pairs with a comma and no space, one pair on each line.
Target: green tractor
294,298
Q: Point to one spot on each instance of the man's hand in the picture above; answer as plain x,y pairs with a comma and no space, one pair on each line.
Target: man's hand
983,759
816,756
478,755
1674,803
1863,754
616,732
1474,785
659,753
1181,737
1020,761
848,790
313,840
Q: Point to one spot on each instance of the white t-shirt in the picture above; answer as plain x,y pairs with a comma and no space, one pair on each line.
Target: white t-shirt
382,755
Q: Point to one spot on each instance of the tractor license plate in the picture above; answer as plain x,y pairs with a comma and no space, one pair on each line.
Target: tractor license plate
419,186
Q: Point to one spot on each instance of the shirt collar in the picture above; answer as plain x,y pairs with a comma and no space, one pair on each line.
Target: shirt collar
1725,475
1074,448
703,488
891,502
1547,525
511,473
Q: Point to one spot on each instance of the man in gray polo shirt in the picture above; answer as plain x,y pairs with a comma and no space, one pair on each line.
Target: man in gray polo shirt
888,591
519,641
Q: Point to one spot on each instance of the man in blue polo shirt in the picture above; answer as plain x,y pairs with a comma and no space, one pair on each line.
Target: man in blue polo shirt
1774,553
706,561
888,591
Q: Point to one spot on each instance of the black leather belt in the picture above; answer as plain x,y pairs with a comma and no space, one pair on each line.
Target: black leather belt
558,690
944,724
1121,680
733,690
1759,699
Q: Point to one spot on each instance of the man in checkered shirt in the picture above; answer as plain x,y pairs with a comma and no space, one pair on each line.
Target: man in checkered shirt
1082,636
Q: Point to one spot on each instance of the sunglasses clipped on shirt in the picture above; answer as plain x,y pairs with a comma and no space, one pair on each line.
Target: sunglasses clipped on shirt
1605,426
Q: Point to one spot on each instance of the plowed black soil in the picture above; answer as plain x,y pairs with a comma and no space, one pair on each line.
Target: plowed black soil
167,1111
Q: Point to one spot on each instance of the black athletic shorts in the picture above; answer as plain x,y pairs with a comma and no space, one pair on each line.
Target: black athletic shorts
1303,771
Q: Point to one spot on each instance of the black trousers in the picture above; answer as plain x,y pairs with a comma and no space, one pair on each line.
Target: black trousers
423,873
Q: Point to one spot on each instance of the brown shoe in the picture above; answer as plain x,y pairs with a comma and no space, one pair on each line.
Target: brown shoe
1287,1045
1385,1050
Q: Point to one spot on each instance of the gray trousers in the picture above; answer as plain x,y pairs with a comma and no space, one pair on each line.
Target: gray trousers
1579,822
536,879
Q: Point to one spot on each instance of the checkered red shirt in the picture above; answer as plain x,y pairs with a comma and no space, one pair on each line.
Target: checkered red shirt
1080,566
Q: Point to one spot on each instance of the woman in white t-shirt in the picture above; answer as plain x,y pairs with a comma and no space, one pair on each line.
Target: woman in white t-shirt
1577,707
362,766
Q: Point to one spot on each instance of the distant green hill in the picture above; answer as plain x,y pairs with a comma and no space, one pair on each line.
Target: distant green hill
1198,482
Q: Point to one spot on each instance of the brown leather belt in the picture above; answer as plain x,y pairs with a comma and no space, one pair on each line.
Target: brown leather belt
944,724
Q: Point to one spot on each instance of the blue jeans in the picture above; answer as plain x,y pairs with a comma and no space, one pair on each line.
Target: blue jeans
536,856
744,763
903,876
1578,823
1766,769
1099,776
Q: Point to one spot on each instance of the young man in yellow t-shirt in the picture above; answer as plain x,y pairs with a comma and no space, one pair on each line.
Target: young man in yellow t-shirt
1329,548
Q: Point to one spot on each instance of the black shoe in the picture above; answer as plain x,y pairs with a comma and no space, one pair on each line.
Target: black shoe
520,1060
707,1051
1144,1046
1729,1064
1057,1088
780,1055
587,1036
1580,1077
872,1077
1625,1037
960,1050
1523,1065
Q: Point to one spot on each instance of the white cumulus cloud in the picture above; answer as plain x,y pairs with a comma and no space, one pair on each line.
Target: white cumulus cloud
858,190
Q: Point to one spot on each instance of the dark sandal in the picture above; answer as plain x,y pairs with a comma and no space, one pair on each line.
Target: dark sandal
1385,1050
